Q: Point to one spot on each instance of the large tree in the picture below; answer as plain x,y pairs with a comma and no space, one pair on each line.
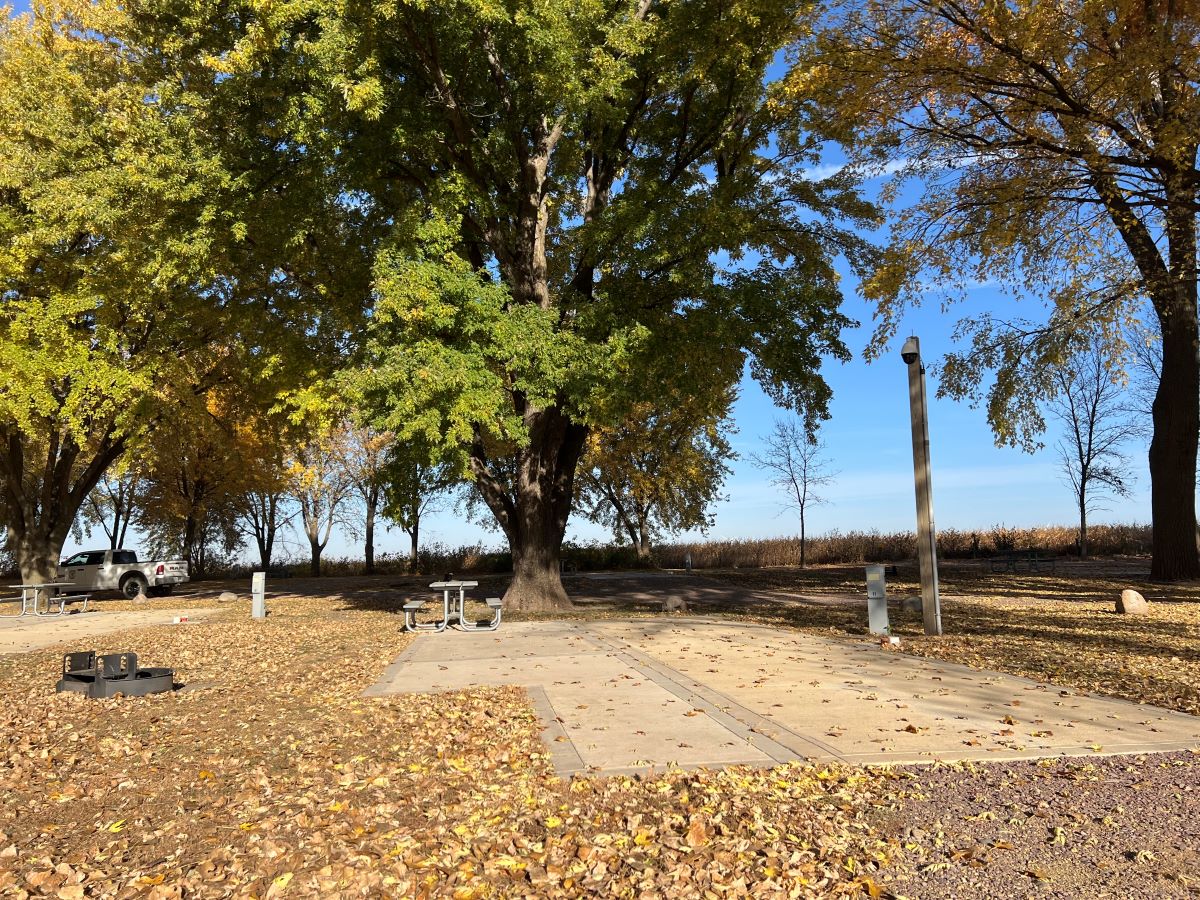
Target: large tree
106,210
595,204
166,225
1056,147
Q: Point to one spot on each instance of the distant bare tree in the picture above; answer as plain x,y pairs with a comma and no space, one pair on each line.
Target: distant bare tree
796,462
1093,408
112,505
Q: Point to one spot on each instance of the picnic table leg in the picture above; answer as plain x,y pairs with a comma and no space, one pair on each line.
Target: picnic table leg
475,625
62,604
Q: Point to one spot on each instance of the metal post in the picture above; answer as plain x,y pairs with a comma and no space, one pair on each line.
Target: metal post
931,609
877,612
258,594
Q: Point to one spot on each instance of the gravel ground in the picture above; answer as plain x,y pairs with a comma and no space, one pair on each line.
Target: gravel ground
1119,827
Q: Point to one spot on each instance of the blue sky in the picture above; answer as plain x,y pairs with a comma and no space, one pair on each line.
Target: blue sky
975,483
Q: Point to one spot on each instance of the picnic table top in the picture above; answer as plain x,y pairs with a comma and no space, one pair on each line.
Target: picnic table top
451,585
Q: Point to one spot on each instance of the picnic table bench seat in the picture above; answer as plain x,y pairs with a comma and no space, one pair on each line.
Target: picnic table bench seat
63,600
453,613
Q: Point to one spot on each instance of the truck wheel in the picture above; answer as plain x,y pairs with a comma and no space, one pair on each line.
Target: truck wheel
132,585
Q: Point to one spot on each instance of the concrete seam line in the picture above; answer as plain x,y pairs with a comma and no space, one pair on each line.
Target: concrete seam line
563,754
742,722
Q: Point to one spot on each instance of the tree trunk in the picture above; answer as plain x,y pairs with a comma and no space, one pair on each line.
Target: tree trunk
1176,415
369,548
537,582
534,517
803,557
643,542
1083,547
37,555
315,563
189,541
414,559
39,506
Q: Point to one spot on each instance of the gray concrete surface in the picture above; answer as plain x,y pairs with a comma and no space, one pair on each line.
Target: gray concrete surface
625,695
21,635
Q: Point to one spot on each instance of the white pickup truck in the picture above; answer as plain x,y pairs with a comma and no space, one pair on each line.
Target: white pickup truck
119,570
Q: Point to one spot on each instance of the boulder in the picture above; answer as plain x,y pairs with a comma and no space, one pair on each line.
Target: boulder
675,604
911,604
1131,603
227,597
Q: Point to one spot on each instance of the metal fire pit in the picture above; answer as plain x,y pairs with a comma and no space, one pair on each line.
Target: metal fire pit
112,674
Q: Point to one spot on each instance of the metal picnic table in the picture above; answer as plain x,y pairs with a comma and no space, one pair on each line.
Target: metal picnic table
31,594
454,605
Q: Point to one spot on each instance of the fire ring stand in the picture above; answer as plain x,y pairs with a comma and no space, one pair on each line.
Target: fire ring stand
112,674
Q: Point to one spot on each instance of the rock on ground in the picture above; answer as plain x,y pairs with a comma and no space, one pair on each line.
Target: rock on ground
1131,603
227,597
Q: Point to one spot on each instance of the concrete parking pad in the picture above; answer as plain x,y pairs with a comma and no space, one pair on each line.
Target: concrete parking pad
623,695
21,635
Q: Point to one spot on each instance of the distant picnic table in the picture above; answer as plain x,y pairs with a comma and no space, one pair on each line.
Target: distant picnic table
1023,561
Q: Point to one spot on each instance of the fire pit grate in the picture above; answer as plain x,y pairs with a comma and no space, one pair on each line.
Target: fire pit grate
112,674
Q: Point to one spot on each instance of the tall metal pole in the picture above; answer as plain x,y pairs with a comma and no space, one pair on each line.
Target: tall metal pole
931,609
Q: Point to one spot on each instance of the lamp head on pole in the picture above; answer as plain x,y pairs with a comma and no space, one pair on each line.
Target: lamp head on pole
911,351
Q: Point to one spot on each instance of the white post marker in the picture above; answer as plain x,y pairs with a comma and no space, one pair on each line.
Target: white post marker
931,606
258,594
877,615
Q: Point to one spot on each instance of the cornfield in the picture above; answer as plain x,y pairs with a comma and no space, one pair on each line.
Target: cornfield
836,547
875,546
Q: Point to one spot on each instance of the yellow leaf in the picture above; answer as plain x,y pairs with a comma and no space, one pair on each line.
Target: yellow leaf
114,827
205,774
283,880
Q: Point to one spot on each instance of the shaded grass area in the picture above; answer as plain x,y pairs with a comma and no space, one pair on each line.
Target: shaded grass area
271,776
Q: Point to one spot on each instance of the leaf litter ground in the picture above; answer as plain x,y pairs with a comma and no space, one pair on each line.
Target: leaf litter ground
299,787
271,776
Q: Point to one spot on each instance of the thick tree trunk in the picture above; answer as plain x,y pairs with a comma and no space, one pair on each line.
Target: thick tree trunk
534,517
537,582
643,543
1173,455
414,558
37,555
314,566
1176,410
40,504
